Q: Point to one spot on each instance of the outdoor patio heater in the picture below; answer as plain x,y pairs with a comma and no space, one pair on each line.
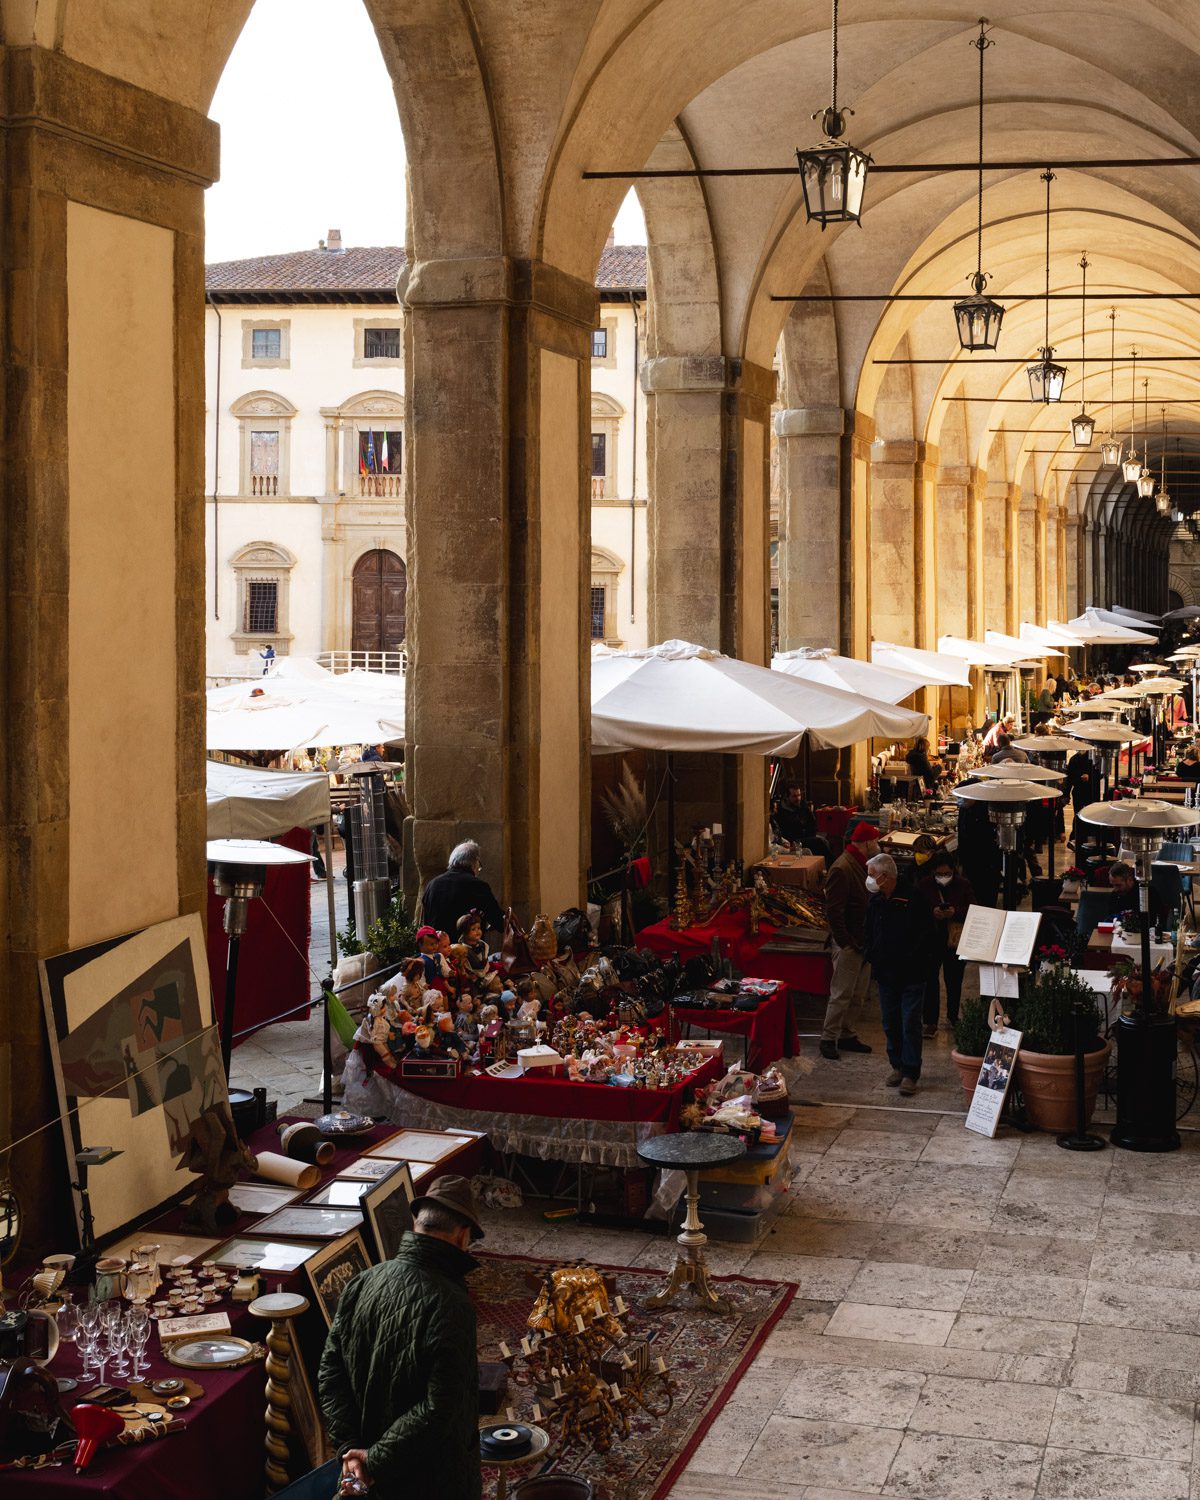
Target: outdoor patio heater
1146,1042
367,826
239,873
1106,740
1007,803
1030,775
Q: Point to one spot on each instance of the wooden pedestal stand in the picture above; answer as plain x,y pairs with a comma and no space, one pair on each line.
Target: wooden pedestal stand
280,1308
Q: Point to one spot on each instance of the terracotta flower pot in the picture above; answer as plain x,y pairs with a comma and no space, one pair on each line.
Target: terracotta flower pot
968,1072
1047,1085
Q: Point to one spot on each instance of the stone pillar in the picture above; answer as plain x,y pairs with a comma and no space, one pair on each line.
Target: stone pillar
1024,600
497,501
897,531
1073,551
998,563
810,532
977,578
102,544
708,455
955,580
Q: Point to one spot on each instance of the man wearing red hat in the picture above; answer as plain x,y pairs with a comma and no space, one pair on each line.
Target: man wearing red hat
846,908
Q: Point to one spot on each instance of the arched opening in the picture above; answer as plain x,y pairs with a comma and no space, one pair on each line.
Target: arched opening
379,588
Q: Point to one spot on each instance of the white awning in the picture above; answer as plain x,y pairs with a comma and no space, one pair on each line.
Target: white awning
244,803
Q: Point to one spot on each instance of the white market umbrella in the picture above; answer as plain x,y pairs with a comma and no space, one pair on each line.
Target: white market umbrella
1049,635
933,667
849,674
1135,614
679,696
1093,629
301,704
1015,643
982,653
246,803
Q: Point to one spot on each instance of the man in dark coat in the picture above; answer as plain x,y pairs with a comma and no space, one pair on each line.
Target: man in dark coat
399,1378
845,907
460,890
900,941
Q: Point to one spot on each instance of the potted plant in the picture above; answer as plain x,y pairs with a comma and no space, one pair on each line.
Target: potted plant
971,1036
1045,1014
1072,882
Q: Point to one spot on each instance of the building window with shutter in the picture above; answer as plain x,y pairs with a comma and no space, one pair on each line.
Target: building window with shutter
599,612
599,455
381,343
262,606
599,343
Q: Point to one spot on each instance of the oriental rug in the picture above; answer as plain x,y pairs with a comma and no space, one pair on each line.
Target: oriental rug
706,1355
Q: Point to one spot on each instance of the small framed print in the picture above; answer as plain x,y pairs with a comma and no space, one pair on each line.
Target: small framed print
279,1256
260,1197
387,1206
308,1222
338,1194
368,1169
419,1145
332,1270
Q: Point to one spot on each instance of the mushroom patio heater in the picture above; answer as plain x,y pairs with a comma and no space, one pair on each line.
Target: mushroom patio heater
239,873
1158,690
1007,803
368,841
1030,775
1106,741
1146,1041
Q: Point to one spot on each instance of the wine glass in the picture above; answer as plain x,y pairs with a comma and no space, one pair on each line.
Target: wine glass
102,1352
139,1336
118,1339
87,1335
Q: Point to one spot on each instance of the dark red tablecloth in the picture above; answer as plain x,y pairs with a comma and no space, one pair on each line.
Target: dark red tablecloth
273,972
559,1098
220,1454
807,973
770,1030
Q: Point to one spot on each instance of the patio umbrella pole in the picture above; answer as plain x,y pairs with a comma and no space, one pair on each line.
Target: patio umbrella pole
671,862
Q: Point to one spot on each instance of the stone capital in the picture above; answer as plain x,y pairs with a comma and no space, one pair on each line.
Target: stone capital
810,421
676,374
497,280
51,93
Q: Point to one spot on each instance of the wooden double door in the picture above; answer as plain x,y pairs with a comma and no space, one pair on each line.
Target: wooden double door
379,586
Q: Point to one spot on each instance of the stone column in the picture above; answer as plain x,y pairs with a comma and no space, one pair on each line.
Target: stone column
1071,552
954,577
977,578
810,532
102,545
894,531
708,456
497,501
1024,603
998,562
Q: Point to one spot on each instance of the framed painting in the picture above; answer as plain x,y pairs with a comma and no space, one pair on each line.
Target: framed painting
338,1194
332,1270
388,1209
136,1061
308,1425
281,1256
308,1222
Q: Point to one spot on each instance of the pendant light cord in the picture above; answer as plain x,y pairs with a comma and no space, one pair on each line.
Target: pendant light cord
835,54
1083,265
981,43
1112,370
1047,178
1132,398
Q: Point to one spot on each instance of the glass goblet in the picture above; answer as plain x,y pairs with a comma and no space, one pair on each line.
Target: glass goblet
118,1340
102,1353
87,1348
139,1337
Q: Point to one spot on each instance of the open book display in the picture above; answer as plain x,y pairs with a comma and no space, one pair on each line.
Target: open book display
1000,942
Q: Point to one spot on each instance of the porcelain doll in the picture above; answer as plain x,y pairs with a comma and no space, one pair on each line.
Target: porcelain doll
412,996
478,960
466,1023
437,965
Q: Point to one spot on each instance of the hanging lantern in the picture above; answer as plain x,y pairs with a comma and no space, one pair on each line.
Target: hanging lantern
834,174
1145,484
1162,503
1082,429
978,317
1131,464
1131,468
1110,452
1046,378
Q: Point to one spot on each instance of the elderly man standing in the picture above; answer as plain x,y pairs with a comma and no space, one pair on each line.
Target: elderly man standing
901,941
399,1377
459,890
845,907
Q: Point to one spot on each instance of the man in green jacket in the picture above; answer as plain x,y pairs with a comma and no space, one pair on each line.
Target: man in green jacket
399,1377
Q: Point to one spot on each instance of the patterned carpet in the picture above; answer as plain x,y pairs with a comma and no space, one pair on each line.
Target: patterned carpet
705,1354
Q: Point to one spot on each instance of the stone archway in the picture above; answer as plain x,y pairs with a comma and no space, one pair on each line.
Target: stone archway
379,587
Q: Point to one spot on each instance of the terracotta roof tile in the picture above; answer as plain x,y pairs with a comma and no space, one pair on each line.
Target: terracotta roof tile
372,270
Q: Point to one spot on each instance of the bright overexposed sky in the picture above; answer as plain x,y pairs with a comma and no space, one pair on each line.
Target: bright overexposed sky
310,137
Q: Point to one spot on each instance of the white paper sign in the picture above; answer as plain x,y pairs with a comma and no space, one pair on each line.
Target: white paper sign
995,1078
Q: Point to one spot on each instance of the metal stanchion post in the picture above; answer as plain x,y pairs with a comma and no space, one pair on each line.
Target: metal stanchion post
1079,1139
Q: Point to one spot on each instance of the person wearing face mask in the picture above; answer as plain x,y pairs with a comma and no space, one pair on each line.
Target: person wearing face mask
948,895
899,937
845,909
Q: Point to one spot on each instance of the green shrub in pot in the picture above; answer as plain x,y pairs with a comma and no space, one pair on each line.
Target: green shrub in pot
971,1033
1045,1011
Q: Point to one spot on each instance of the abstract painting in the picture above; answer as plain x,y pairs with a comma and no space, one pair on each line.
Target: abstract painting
137,1060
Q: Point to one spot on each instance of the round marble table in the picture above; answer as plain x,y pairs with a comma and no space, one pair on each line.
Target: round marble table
690,1151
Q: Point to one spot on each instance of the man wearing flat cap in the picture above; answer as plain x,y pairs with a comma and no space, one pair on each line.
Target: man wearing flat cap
399,1377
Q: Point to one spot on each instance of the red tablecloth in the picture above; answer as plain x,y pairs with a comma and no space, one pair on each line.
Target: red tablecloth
273,962
807,973
559,1098
770,1030
219,1455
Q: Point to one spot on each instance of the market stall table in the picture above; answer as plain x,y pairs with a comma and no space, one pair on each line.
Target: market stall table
768,1032
553,1119
806,973
218,1450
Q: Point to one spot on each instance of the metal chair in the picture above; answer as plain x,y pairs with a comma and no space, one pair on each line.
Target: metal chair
1094,906
1168,882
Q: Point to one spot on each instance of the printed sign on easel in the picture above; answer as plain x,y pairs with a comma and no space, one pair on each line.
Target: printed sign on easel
995,1079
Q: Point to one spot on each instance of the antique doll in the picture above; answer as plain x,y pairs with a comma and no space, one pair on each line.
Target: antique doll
437,966
412,996
529,1006
466,1022
379,1036
446,1035
478,963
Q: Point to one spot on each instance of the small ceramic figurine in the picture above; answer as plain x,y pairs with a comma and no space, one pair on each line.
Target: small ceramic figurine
465,1022
529,1010
478,960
